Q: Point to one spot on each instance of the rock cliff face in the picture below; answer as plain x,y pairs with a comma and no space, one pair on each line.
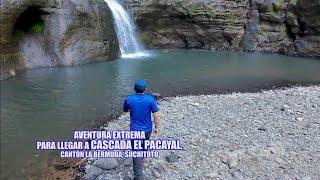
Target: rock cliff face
207,24
284,26
288,27
41,33
70,32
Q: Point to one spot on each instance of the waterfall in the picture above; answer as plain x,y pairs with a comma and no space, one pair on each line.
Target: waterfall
125,29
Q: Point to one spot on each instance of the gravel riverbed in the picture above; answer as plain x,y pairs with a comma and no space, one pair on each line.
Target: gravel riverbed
272,134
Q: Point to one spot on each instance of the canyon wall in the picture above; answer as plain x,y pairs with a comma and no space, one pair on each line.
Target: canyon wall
68,32
73,32
288,27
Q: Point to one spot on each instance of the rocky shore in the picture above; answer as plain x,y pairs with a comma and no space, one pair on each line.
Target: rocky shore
272,134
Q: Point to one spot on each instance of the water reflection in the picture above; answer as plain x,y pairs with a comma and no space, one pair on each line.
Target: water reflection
50,103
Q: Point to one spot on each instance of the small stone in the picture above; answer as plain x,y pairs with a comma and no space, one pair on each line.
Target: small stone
237,175
279,160
127,162
101,177
213,174
114,177
273,150
307,178
281,163
284,108
146,177
194,104
106,163
299,119
160,168
290,133
224,159
262,128
156,173
171,158
283,177
87,166
233,163
287,109
125,176
92,173
188,174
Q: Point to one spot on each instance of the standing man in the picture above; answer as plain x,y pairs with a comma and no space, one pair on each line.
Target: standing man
141,106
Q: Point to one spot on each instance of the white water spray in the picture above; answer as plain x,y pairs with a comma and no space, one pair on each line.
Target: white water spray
125,29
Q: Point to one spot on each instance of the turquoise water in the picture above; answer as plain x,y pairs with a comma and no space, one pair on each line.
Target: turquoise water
50,103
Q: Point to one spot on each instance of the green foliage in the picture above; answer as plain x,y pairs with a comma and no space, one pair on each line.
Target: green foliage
278,5
37,27
290,15
291,18
293,2
283,33
264,33
283,30
17,34
275,7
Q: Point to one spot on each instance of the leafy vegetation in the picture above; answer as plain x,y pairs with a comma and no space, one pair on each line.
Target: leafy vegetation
37,27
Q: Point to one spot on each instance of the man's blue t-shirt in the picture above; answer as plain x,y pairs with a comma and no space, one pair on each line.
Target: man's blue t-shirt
140,106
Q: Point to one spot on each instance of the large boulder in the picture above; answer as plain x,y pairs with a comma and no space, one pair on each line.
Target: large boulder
65,33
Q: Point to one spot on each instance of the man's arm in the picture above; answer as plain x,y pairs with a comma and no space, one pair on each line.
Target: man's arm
126,107
156,117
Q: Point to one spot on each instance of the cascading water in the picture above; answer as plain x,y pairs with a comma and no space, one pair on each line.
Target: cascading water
125,29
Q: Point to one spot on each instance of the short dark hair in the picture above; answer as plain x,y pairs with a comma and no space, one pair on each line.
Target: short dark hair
139,90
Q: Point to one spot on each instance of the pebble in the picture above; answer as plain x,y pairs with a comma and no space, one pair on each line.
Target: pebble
224,142
262,128
172,158
126,178
285,107
159,168
87,166
307,178
233,163
194,104
237,175
106,163
127,162
92,173
156,173
188,174
213,174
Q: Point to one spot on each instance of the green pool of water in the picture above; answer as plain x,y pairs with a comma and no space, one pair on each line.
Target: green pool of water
48,104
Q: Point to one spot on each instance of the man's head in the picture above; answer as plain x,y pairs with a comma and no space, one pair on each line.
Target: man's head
140,86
